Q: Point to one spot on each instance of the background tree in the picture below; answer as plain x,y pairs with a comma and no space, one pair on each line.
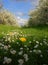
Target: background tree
39,16
43,15
7,18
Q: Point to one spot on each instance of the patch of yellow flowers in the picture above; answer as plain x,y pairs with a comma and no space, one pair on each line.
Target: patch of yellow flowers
22,39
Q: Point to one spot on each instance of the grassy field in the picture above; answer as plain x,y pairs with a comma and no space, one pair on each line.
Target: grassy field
35,32
23,46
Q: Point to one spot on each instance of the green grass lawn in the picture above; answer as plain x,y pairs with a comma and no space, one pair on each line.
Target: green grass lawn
23,46
35,32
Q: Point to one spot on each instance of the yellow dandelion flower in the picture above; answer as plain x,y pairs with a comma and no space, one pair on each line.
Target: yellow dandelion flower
22,39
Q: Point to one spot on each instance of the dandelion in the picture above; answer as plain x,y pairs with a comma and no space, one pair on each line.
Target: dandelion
9,39
12,51
13,40
21,48
6,47
41,44
7,60
36,46
25,57
21,61
3,37
37,51
37,42
41,55
22,39
45,43
1,44
25,45
34,50
21,32
17,42
7,34
20,53
34,40
27,48
9,46
30,51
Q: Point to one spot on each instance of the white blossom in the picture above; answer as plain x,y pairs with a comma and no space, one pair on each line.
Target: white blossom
20,61
9,46
36,46
37,51
13,51
7,60
1,44
20,53
30,51
30,41
25,45
21,48
17,42
37,42
41,44
5,47
27,48
41,55
25,57
13,40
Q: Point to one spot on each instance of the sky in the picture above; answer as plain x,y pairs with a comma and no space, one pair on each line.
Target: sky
20,8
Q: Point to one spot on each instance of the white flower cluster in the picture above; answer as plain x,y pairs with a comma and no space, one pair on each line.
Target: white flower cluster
37,51
21,53
7,60
20,61
13,51
26,57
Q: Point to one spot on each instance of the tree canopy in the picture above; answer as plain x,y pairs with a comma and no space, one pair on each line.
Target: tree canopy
39,16
8,18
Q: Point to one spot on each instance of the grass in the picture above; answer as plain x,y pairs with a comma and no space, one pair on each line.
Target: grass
28,46
35,32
